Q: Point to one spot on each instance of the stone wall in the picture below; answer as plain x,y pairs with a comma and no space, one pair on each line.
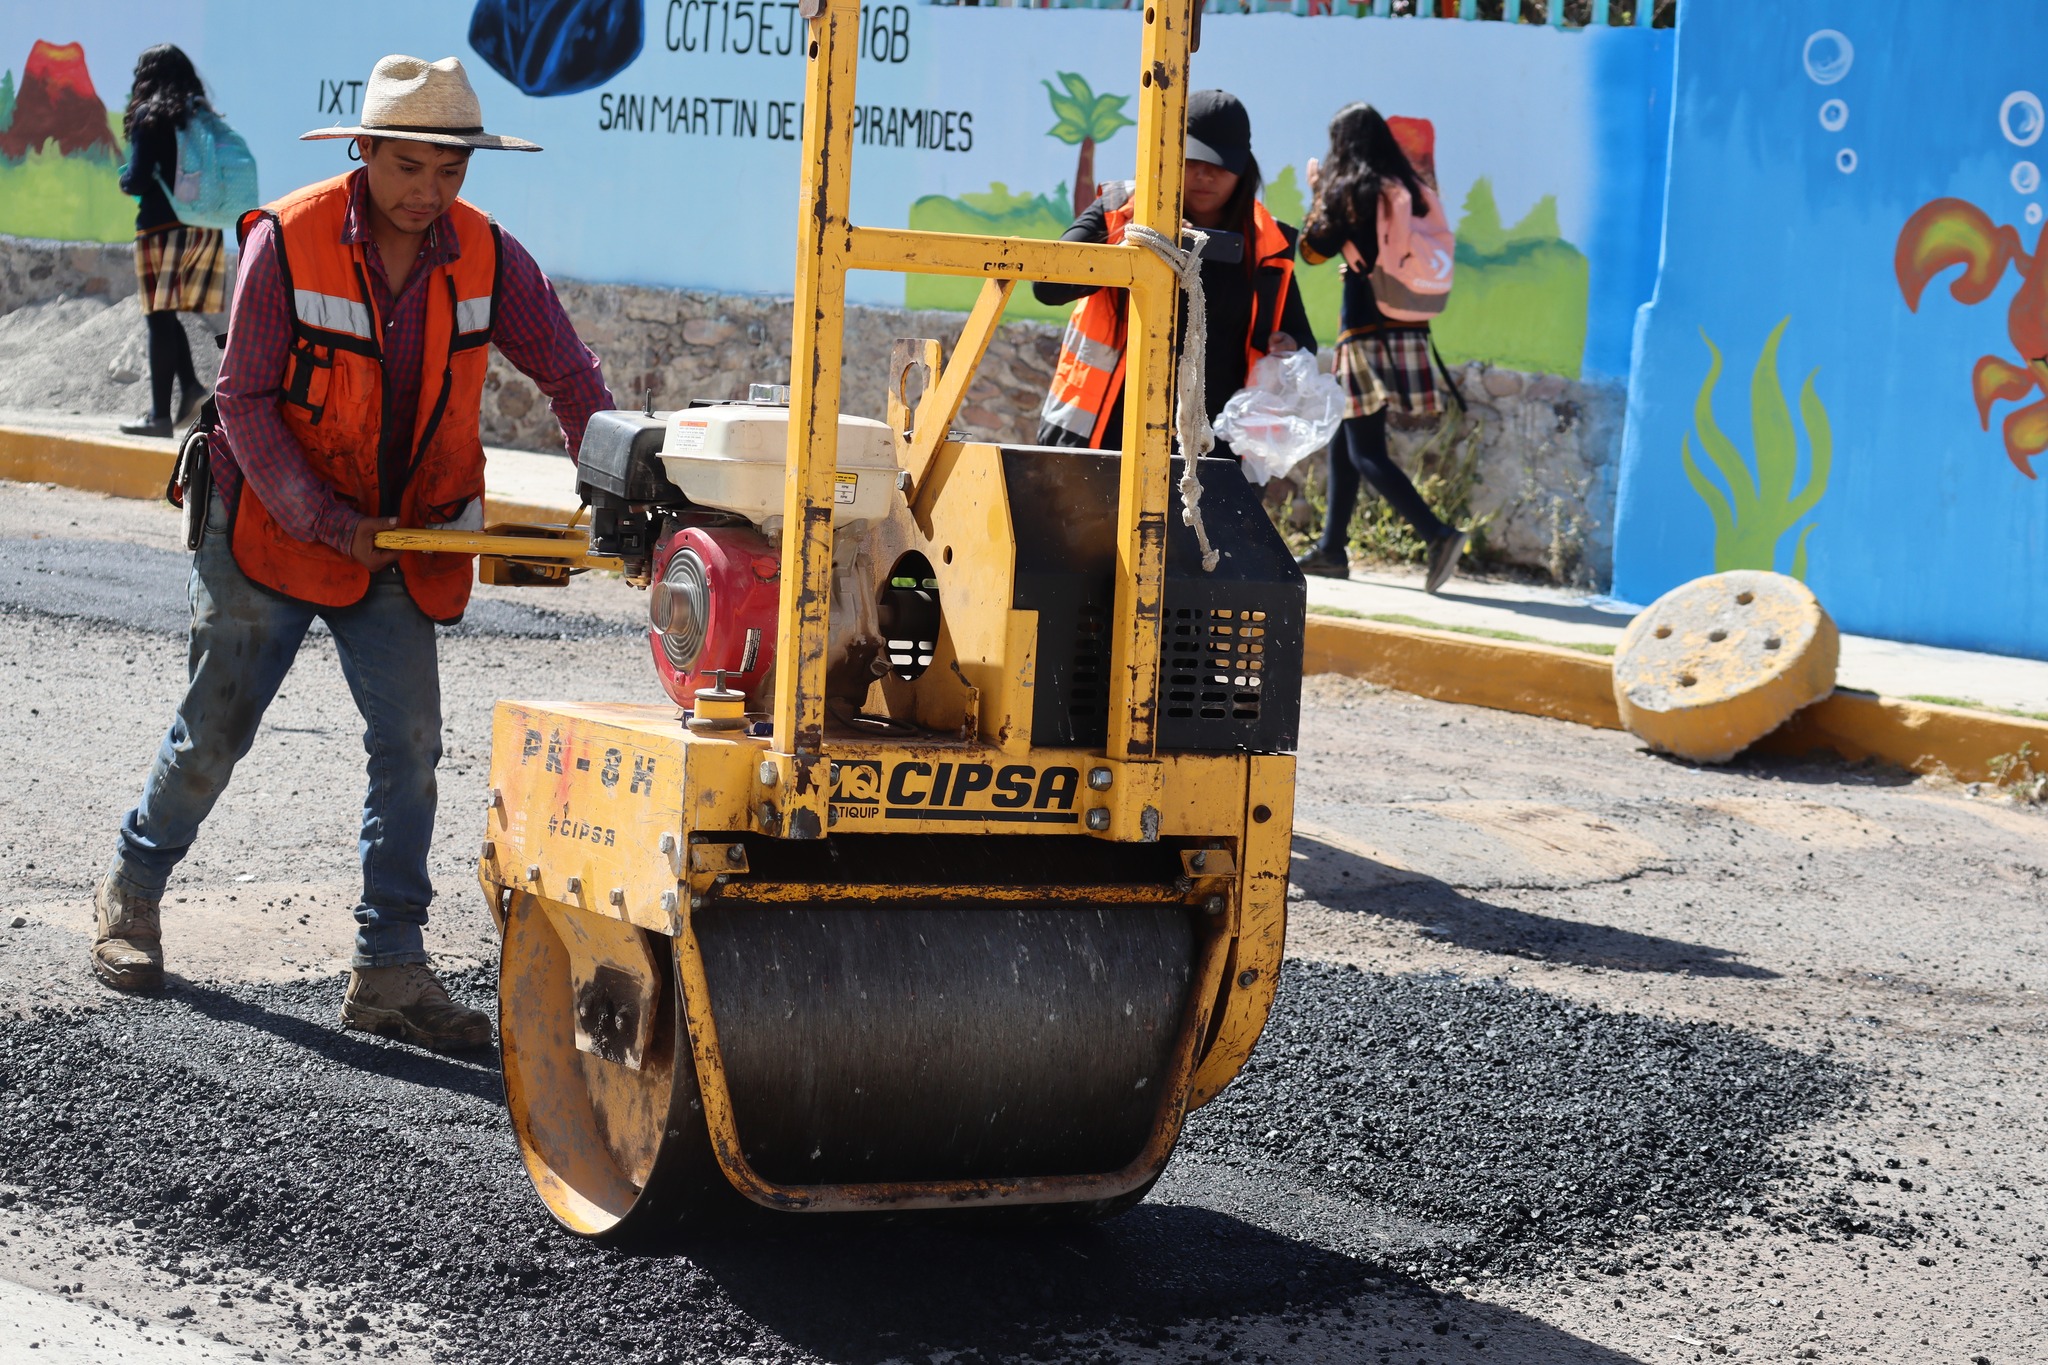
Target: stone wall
1550,454
1545,448
36,272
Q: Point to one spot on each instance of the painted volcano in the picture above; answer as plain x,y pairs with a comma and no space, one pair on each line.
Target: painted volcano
56,102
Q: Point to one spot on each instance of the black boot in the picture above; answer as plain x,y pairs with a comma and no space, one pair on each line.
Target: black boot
1322,564
1443,559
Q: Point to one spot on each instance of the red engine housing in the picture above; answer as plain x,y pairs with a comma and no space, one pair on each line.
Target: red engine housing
711,586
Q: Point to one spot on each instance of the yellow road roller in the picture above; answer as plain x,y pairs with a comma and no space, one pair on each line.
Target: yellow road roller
953,875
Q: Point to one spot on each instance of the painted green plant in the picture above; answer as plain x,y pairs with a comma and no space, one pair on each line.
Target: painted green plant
1760,508
1085,119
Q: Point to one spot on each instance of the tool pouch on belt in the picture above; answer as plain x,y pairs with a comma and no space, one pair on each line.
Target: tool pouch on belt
191,485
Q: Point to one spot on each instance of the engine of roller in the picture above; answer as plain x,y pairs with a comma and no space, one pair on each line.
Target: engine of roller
691,501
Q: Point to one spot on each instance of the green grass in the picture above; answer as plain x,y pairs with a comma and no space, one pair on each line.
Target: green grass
65,199
1972,704
1395,618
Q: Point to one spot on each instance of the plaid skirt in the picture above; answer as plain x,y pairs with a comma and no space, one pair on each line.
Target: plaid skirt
1388,367
181,270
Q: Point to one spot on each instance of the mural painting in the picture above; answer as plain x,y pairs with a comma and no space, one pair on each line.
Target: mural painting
672,133
61,151
1754,506
1832,163
1951,232
557,47
1083,119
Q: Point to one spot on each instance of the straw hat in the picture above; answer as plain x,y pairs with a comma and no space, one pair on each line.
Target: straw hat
420,101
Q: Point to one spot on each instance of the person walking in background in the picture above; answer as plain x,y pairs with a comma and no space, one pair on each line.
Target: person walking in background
1382,362
178,268
1254,302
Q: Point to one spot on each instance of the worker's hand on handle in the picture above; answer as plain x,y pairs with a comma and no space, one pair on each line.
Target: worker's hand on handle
363,549
1280,343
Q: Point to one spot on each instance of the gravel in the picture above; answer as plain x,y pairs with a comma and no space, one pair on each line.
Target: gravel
1532,1131
87,355
239,1126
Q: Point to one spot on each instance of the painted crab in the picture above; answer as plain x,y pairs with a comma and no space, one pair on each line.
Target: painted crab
1953,232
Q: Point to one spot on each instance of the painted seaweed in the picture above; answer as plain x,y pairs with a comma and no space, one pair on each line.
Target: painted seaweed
1759,507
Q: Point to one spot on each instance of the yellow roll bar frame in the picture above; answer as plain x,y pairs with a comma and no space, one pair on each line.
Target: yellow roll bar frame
829,245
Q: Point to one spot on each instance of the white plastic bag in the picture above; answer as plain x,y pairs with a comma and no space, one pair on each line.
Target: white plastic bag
1290,411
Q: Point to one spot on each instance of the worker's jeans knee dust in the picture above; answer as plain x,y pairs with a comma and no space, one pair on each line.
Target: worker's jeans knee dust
244,639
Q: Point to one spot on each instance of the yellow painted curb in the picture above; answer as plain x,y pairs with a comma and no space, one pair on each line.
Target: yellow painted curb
1916,735
1540,680
1507,675
98,464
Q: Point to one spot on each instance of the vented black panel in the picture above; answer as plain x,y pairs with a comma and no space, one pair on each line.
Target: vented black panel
1231,640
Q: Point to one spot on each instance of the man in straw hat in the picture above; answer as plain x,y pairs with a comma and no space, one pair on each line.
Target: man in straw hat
350,400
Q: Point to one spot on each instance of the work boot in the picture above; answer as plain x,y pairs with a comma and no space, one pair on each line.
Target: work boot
127,939
411,1004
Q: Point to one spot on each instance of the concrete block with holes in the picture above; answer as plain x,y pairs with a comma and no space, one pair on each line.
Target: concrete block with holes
1718,663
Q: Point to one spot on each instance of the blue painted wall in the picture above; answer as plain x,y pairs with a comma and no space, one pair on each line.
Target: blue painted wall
1808,134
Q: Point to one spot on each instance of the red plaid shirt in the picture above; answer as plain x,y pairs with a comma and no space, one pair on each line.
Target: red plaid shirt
531,331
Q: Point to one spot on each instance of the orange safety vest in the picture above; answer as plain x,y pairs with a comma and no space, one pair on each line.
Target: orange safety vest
1090,372
333,399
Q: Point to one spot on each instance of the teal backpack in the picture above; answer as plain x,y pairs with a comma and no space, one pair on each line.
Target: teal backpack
216,173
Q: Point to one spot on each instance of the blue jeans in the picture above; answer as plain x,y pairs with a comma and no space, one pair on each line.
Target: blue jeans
244,639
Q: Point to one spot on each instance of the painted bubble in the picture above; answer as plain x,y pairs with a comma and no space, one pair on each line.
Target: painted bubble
2033,214
2020,119
2026,177
1845,160
1834,116
1829,55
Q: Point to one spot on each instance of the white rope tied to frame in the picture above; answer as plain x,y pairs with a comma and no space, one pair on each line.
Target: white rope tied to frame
1191,408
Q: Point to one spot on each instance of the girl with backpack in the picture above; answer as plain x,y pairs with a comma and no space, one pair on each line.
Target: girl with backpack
1373,209
179,268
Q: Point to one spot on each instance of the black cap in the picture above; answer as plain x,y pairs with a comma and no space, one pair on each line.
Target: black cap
1219,130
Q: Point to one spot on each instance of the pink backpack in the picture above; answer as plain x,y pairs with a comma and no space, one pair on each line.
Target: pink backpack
1412,279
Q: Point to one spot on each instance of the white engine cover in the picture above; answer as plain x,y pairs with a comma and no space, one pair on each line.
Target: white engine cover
732,456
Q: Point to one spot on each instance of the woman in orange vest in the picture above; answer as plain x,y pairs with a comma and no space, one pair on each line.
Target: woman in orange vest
1254,304
350,400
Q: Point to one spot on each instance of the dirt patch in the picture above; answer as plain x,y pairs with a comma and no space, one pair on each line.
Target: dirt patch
88,355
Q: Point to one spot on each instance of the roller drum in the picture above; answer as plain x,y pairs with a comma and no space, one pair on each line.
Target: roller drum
931,1044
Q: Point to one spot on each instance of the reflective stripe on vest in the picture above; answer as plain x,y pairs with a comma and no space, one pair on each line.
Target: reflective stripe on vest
1075,407
332,313
473,315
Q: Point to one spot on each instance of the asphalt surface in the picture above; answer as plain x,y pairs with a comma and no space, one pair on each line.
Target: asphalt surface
1580,1055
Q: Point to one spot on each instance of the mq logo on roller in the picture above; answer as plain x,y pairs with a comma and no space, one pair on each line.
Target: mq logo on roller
932,789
